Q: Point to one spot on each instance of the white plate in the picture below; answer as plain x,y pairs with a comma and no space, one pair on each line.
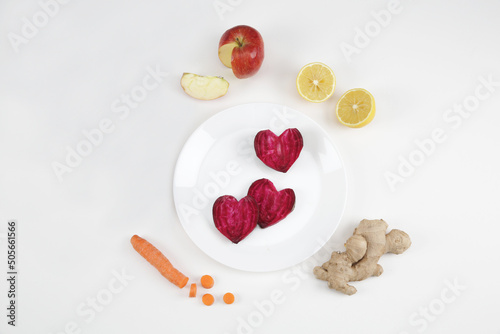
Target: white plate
219,159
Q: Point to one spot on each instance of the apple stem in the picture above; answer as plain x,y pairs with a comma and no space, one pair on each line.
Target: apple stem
240,42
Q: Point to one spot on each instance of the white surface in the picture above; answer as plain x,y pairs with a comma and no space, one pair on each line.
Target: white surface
75,233
219,159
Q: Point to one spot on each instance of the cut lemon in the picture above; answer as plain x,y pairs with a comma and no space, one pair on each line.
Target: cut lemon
316,82
356,108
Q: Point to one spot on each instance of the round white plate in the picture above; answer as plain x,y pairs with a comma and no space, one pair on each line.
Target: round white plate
219,159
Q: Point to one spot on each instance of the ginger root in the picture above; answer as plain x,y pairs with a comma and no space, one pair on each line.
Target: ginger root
363,250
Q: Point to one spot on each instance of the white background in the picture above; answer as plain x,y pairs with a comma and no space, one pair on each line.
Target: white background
73,234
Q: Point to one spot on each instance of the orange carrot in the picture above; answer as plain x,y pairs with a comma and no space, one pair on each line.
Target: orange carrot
192,290
228,298
207,299
207,281
159,261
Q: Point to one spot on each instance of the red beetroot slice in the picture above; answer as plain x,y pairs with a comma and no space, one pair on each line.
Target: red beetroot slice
274,205
281,152
235,219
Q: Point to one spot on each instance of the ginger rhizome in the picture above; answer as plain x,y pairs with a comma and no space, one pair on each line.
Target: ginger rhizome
363,250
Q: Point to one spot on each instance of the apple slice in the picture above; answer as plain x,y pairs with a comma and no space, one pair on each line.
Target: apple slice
204,87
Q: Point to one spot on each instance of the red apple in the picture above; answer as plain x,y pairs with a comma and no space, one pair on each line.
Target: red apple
242,49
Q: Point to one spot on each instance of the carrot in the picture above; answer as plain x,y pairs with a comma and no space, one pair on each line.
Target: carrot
159,261
207,299
207,281
228,298
192,290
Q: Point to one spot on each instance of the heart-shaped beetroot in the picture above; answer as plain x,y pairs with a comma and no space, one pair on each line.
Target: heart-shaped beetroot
235,219
281,152
273,205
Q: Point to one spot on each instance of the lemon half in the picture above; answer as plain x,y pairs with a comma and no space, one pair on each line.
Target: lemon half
316,82
356,108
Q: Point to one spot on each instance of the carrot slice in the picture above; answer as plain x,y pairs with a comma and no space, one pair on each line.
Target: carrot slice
159,261
192,290
228,298
207,299
207,281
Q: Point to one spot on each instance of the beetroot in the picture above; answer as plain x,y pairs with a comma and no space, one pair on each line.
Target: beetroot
281,152
235,219
273,205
